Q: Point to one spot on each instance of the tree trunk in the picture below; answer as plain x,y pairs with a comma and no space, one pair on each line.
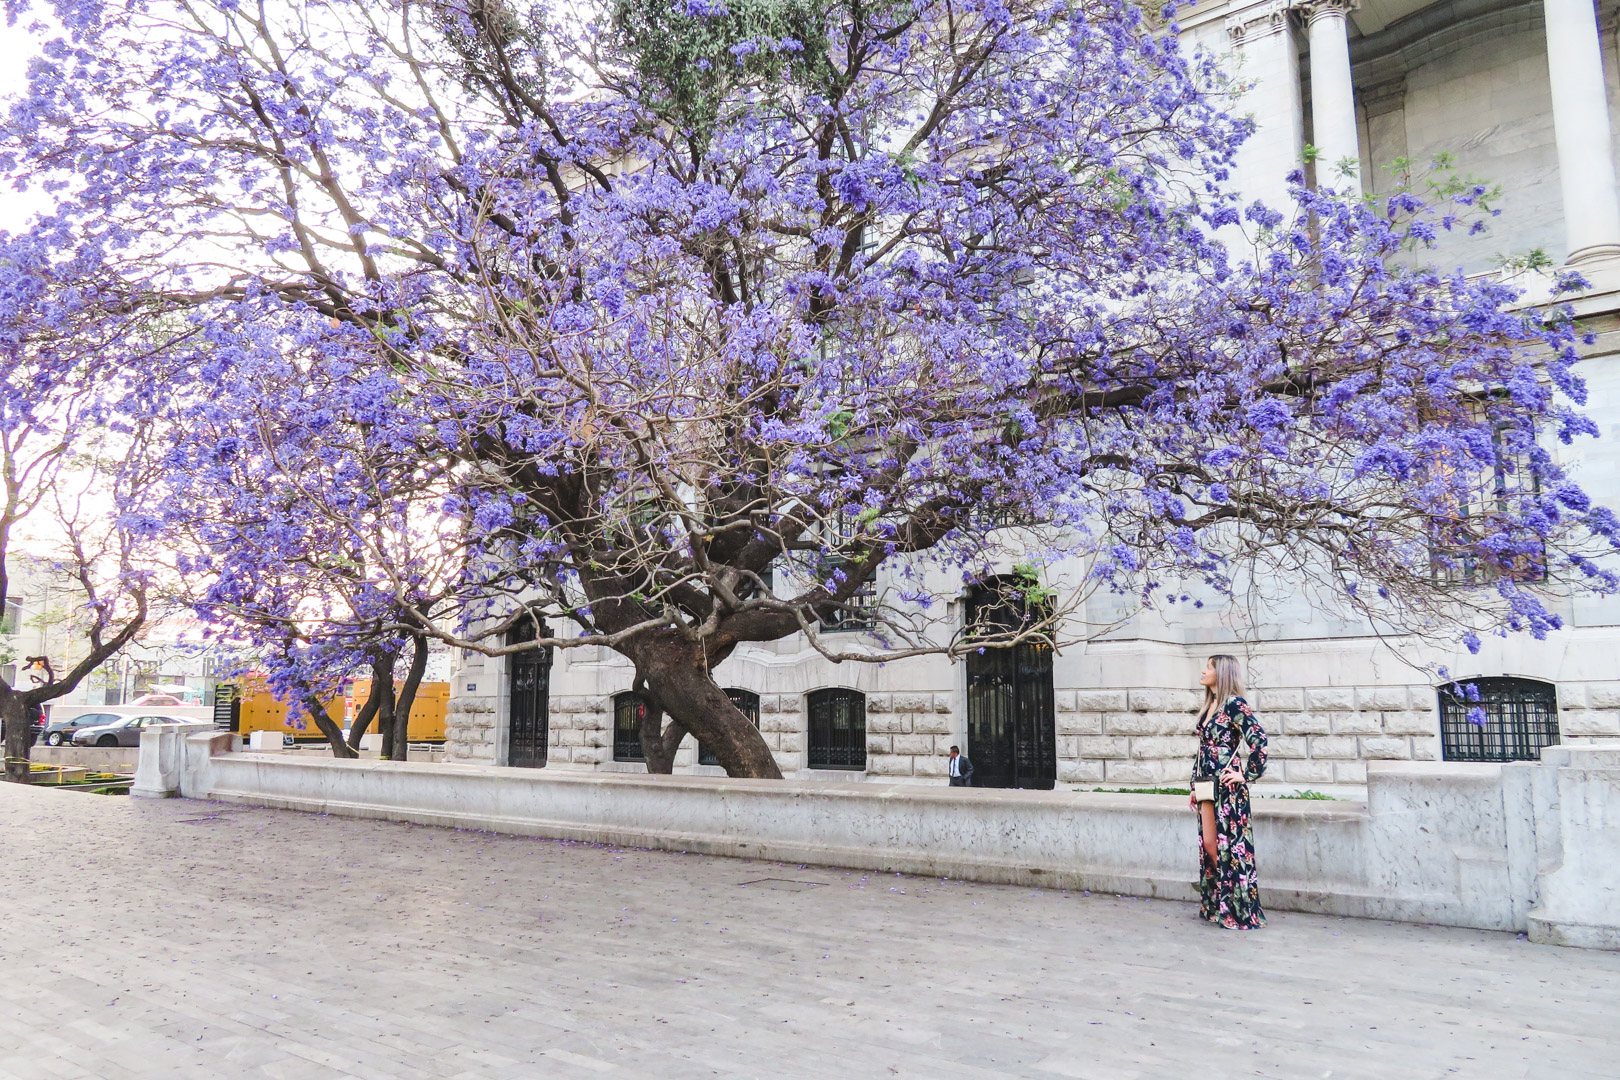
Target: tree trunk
329,727
683,686
382,685
363,718
658,745
407,698
16,716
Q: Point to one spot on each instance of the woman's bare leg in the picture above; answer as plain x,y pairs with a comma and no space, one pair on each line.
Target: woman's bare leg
1206,814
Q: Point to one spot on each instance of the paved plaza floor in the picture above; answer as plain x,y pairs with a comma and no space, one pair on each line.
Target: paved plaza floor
182,939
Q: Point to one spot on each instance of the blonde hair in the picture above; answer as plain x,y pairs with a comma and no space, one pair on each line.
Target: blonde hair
1228,682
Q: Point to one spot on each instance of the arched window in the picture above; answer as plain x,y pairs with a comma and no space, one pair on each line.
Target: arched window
837,729
747,703
1520,716
628,709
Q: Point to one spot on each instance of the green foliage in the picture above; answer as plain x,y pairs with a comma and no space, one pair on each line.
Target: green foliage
691,54
1535,259
1311,795
1029,585
1141,790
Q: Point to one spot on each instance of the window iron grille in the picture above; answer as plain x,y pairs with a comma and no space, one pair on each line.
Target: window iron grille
629,709
1451,539
1520,717
837,729
747,703
857,612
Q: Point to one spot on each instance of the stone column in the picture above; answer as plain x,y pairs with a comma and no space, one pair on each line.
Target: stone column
1581,126
1333,106
1269,63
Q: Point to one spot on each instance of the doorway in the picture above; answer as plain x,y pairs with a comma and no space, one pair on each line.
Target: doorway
1012,722
528,701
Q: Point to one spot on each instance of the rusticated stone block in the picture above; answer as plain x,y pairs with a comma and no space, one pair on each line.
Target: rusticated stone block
770,703
1079,723
1357,723
1064,701
1067,747
889,765
1103,746
1603,695
1386,749
1379,698
1330,699
1573,696
1101,700
913,703
777,721
1149,700
1425,748
1148,723
1307,771
1154,773
879,703
1410,722
931,724
942,703
593,755
1291,699
1288,746
913,744
1179,747
879,744
598,738
1080,771
571,737
1333,746
889,723
1590,722
1350,772
789,761
932,765
1299,723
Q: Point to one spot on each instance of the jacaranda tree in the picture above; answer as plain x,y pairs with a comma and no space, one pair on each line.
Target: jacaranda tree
675,325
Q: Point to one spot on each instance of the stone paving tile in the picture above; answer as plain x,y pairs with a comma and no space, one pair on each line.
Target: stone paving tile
176,940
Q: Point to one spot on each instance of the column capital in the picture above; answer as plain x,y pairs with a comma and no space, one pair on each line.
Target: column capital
1257,22
1312,10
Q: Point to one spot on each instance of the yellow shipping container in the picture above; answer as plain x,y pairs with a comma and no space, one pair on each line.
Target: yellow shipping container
427,711
260,711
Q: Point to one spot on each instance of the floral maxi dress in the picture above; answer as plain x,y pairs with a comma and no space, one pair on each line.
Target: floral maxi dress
1231,895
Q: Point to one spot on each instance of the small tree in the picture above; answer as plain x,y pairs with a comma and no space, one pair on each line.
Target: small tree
694,361
75,463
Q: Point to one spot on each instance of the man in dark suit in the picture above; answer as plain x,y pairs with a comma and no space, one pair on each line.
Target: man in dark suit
960,769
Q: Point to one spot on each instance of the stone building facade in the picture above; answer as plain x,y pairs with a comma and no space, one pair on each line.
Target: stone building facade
1520,92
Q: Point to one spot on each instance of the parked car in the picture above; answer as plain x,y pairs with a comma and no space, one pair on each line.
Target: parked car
125,731
58,732
36,725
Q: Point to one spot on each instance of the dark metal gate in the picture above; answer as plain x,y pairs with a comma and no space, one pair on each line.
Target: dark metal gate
747,703
1520,717
529,689
837,729
1012,721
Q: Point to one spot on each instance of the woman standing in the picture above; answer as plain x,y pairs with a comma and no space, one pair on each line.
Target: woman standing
1228,886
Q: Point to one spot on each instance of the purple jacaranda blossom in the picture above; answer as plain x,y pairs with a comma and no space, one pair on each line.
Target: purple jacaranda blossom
458,335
